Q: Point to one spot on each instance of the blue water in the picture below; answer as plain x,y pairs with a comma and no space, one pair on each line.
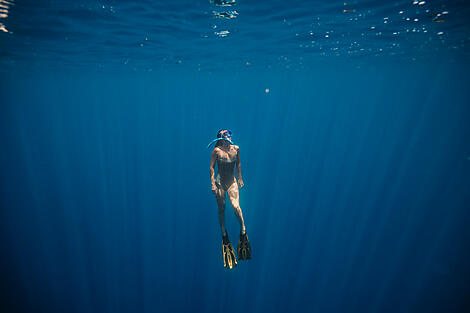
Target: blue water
356,162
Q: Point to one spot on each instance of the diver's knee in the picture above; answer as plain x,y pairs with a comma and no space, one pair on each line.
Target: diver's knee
236,207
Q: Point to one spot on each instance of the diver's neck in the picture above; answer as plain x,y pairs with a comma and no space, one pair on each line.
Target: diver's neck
225,145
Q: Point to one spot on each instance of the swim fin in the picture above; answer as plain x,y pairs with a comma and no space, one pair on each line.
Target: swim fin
230,260
244,248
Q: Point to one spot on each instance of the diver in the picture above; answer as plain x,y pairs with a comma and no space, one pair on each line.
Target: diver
227,155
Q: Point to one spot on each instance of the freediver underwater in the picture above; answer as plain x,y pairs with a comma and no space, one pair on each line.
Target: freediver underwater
226,155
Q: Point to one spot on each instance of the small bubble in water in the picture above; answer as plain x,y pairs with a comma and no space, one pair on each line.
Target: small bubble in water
266,90
440,33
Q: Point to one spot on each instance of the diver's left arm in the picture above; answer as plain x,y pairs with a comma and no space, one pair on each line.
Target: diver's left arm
239,167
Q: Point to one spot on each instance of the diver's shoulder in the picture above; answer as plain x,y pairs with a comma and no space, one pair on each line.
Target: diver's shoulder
217,150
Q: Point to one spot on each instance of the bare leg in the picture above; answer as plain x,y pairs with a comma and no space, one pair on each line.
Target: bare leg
234,200
220,196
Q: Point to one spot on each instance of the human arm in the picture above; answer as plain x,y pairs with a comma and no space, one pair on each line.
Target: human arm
239,168
212,170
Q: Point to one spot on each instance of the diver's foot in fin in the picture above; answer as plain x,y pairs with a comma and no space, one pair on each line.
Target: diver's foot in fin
244,248
230,260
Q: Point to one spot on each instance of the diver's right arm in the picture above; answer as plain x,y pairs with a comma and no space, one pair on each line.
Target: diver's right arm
212,170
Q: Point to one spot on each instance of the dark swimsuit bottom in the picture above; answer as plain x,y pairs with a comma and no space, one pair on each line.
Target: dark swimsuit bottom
224,186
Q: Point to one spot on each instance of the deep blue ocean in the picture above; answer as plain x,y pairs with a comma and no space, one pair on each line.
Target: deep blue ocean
353,122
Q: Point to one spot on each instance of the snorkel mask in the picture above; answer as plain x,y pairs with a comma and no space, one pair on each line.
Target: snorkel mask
225,135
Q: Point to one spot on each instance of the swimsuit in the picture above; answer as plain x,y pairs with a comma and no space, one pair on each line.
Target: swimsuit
228,166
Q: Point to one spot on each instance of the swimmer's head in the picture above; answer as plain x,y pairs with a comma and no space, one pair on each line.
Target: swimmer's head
224,133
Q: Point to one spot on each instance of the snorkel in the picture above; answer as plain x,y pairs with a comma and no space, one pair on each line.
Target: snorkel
226,135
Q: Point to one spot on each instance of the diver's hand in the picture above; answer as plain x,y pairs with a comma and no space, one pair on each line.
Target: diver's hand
240,183
214,189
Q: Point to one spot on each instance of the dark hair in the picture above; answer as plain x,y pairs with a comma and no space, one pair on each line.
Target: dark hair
219,135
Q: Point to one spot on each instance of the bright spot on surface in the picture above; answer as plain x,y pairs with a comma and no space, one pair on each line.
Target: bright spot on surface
421,2
440,33
266,90
222,33
416,20
326,36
